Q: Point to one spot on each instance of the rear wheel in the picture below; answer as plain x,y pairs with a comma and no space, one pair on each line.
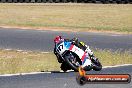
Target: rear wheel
97,65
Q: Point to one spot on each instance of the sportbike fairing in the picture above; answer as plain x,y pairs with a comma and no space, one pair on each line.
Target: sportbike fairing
64,45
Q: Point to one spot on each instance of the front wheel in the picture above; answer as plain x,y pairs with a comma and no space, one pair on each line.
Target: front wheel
64,67
69,60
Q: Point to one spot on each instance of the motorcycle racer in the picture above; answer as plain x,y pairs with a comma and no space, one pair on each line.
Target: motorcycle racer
87,61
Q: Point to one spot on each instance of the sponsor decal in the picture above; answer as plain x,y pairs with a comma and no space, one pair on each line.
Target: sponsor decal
103,78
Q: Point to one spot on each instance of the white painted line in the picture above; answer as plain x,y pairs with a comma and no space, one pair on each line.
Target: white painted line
67,71
116,66
70,70
17,74
32,73
9,75
20,50
45,52
24,51
8,49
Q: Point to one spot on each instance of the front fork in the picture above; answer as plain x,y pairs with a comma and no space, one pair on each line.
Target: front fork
74,60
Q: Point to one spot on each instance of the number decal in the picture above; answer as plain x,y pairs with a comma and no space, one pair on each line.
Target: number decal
60,48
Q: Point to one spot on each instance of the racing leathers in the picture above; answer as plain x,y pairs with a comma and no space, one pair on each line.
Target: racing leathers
87,61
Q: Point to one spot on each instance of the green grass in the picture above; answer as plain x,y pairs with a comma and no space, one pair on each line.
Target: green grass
18,62
78,17
110,58
12,61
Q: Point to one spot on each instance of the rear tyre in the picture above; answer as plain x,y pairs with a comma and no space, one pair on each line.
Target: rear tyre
97,65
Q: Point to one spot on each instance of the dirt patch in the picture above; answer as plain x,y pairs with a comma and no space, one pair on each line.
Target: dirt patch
38,28
63,29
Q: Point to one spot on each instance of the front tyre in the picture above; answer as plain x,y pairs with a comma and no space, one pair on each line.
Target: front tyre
69,62
63,67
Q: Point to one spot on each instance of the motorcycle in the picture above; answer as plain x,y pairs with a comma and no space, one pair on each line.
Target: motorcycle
72,56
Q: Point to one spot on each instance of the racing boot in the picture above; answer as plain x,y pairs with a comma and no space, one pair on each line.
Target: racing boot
93,58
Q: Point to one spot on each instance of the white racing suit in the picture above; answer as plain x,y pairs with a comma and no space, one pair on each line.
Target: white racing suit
87,63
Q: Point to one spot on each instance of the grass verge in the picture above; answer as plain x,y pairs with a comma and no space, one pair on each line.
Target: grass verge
12,61
75,17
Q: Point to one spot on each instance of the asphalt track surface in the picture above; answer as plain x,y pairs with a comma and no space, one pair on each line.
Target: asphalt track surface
61,80
43,40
